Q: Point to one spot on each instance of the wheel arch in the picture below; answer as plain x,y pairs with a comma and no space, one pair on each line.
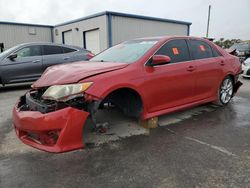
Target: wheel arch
231,76
1,81
131,93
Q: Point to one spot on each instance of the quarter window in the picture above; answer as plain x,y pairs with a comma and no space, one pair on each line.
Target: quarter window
68,50
215,52
50,50
29,51
200,49
177,50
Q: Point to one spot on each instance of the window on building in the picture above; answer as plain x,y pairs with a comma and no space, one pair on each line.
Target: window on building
177,50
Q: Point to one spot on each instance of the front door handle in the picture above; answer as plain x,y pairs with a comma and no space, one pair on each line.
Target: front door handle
36,61
191,68
66,58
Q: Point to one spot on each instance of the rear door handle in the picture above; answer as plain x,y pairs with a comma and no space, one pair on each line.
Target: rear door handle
36,61
191,68
222,63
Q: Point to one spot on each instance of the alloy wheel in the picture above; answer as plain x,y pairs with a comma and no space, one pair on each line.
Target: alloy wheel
226,91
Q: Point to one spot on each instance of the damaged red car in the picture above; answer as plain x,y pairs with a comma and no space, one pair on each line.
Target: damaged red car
144,78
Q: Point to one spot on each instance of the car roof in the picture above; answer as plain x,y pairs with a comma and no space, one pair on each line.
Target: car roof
170,37
48,43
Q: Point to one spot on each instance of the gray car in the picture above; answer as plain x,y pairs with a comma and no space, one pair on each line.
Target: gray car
26,62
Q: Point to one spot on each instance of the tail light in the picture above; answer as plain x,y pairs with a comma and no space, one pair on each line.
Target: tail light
90,55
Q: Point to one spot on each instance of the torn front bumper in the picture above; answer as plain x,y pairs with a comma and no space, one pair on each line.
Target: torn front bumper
57,131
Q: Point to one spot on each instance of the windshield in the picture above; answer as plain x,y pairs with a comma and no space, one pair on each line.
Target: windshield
241,47
247,60
127,52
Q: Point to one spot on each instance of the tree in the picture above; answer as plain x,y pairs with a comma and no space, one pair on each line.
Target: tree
227,43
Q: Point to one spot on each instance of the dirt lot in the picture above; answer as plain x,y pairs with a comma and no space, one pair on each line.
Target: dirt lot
206,146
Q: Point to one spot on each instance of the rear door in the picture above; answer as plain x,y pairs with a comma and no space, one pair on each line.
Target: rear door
172,84
71,54
53,55
208,72
26,67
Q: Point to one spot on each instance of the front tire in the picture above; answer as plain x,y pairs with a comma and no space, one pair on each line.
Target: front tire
225,92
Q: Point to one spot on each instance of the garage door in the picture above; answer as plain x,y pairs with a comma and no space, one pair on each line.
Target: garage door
92,41
67,37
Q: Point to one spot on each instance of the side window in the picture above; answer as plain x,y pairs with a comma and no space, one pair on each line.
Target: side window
177,50
215,52
200,49
68,50
50,50
29,51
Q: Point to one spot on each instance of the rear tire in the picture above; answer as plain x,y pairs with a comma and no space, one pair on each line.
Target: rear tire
225,92
1,83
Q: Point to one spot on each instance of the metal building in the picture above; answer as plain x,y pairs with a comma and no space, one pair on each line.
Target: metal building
96,32
100,31
12,34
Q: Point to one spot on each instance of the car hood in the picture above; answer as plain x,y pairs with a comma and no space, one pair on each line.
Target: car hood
74,72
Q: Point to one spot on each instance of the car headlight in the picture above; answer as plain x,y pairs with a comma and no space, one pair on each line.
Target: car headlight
65,92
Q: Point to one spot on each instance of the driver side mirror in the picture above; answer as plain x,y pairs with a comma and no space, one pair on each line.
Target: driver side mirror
160,60
12,57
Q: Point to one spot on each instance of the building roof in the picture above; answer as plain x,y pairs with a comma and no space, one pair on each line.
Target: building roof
124,15
25,24
97,15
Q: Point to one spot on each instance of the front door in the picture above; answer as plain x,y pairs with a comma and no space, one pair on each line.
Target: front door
26,67
172,84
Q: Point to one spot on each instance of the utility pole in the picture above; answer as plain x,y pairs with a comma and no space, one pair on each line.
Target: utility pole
208,20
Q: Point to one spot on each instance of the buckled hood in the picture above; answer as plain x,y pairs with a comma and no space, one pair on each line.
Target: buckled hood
74,72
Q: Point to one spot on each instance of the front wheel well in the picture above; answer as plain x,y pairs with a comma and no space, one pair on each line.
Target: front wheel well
232,77
127,100
1,82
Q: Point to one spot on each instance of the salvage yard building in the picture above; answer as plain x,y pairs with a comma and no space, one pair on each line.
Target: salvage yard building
95,32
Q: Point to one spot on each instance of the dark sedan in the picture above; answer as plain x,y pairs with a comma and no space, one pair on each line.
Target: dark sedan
26,62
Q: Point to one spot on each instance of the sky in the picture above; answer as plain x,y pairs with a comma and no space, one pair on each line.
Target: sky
230,19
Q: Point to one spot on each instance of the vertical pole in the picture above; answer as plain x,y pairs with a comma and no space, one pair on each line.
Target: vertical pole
208,19
110,42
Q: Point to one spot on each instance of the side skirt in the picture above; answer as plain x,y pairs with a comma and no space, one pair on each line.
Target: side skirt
177,108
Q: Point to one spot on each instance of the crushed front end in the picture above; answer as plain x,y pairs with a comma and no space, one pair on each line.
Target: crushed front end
50,125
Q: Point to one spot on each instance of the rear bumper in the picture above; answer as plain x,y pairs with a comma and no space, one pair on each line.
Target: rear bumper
56,132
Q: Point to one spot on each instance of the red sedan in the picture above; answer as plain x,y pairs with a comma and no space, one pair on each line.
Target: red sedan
144,78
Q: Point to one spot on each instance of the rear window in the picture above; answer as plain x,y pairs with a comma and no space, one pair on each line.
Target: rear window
68,50
50,50
200,49
177,50
215,52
